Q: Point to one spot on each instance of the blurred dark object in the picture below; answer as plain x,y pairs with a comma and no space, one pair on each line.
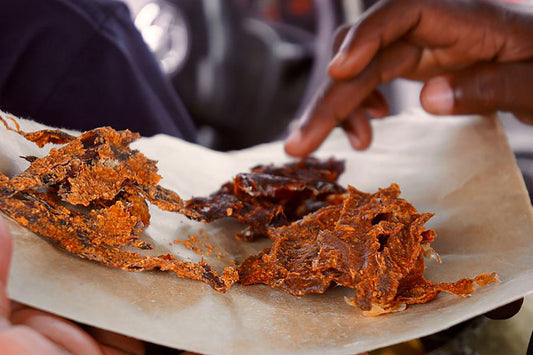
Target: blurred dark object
82,64
530,347
525,163
455,338
154,349
507,311
243,68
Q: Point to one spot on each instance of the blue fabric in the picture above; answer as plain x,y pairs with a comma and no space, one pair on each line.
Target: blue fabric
82,64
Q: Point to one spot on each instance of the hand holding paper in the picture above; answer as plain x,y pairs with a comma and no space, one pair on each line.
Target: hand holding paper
25,330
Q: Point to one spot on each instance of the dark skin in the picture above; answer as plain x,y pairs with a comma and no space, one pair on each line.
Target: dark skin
472,56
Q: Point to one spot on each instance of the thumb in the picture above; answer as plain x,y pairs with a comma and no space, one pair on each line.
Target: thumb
482,88
6,249
5,259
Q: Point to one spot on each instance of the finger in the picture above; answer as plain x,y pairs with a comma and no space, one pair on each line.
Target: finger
339,99
506,311
494,33
526,117
109,350
377,28
358,130
5,251
375,105
60,331
483,88
23,340
114,343
16,306
5,259
340,34
314,126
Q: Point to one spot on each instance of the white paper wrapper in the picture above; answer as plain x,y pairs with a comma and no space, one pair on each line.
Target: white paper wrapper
460,168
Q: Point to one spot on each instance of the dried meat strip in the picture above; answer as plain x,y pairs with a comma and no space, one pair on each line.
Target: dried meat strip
42,137
89,198
289,264
99,236
272,195
373,243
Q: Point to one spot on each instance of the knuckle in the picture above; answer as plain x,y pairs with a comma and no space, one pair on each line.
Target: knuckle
487,88
497,88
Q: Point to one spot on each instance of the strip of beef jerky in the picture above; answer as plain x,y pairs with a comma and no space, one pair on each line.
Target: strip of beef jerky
272,195
373,243
40,138
89,198
100,235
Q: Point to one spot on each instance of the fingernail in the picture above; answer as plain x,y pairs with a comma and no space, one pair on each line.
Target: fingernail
293,141
438,97
355,141
295,137
338,60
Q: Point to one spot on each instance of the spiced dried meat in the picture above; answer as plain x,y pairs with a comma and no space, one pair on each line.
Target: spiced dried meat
90,197
373,243
270,195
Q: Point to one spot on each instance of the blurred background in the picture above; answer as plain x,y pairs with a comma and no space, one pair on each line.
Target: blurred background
245,69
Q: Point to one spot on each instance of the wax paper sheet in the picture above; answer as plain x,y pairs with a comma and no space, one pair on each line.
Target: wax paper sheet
460,168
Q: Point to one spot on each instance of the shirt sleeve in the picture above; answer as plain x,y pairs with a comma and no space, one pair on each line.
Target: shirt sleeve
82,64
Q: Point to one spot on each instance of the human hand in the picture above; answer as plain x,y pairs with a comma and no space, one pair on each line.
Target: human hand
473,56
25,330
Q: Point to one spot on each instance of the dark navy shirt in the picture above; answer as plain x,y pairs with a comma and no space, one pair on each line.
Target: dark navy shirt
82,64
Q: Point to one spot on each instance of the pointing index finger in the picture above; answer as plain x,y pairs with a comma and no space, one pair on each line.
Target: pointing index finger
338,99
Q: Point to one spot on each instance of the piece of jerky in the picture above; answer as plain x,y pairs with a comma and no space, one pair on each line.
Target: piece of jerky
272,195
373,243
95,166
89,198
289,263
40,138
